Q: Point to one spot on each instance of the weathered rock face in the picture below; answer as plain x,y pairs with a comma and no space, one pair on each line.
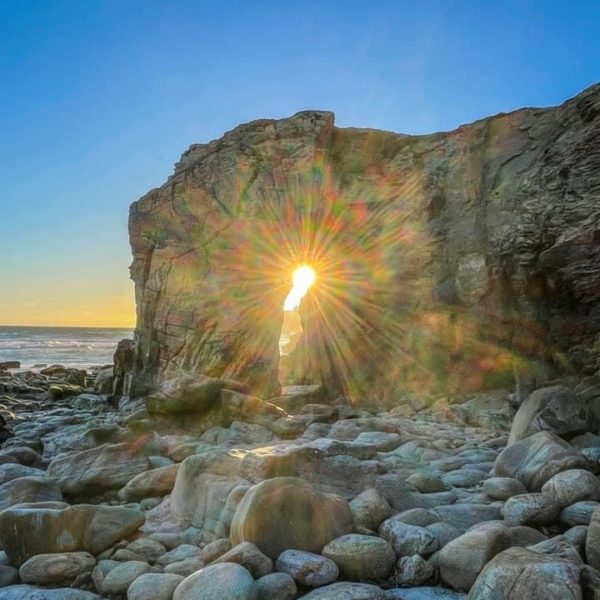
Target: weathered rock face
439,258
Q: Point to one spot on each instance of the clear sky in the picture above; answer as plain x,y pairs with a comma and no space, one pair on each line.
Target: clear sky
99,99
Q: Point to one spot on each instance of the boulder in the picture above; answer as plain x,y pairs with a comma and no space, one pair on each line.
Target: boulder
412,570
287,512
92,472
572,486
502,488
519,573
216,582
369,509
193,395
557,409
408,539
462,559
28,530
534,460
28,489
346,591
10,471
250,557
276,586
150,484
579,513
592,542
48,569
530,509
202,486
307,568
30,592
424,593
122,575
158,586
361,557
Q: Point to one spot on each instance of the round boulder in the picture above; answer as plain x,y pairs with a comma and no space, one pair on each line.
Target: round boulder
572,486
217,582
287,512
361,557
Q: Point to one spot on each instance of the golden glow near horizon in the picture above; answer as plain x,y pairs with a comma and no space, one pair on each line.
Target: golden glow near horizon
303,278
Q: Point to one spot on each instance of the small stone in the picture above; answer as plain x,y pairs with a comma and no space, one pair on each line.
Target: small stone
312,570
185,567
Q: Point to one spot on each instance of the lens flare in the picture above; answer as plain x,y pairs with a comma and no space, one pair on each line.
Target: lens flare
302,279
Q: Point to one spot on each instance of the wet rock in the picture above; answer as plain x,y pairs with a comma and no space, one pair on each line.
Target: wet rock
307,568
461,560
519,573
530,509
361,557
61,568
225,580
287,512
572,486
158,586
536,459
28,530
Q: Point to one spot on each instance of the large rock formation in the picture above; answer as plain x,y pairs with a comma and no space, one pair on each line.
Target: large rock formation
441,259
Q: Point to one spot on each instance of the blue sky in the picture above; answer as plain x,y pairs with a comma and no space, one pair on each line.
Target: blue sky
99,99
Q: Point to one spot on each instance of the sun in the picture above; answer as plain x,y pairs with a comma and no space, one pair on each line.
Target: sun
302,279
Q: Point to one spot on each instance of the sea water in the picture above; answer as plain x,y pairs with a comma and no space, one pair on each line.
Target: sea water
79,347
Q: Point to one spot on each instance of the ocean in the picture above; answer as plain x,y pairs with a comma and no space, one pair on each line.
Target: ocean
80,347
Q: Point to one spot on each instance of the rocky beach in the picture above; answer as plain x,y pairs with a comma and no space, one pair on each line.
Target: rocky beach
432,434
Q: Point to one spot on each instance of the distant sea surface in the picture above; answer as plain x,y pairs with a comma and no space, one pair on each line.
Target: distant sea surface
80,347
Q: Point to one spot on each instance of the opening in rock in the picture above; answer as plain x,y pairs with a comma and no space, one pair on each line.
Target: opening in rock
303,278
